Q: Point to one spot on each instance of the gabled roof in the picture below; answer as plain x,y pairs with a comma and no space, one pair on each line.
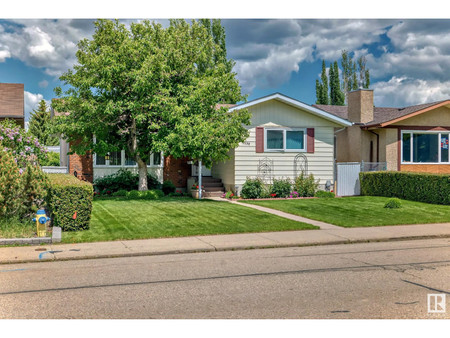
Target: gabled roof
12,100
384,116
297,104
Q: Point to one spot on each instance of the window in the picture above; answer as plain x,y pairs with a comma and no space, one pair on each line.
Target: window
425,147
285,139
100,160
157,159
115,158
129,160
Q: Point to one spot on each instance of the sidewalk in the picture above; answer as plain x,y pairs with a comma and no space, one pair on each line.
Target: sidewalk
161,246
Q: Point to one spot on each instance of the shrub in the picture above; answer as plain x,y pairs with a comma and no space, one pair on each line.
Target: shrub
52,160
168,187
123,180
393,203
121,192
144,195
306,186
281,187
70,202
324,194
229,194
22,190
252,188
421,187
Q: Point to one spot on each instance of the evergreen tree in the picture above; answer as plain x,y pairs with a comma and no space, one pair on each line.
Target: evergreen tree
339,96
322,87
40,125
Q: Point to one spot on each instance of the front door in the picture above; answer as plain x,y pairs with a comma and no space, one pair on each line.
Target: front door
205,171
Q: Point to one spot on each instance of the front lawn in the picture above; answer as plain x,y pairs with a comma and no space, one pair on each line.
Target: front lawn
360,211
118,219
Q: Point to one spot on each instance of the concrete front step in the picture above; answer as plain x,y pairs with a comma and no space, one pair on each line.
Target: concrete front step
212,184
213,193
209,179
206,188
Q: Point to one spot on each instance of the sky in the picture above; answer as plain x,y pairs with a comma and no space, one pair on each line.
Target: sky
408,59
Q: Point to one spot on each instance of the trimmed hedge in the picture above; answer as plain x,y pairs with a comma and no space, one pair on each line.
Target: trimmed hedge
66,196
421,187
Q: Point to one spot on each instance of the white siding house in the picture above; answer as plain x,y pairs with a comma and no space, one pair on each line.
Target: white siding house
281,128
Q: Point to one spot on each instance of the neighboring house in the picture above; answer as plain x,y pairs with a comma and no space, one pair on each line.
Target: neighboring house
12,102
414,138
286,136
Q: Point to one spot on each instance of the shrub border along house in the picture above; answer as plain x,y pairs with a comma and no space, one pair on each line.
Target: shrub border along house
70,202
428,188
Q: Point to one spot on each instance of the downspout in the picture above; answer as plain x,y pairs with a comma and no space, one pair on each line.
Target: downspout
378,144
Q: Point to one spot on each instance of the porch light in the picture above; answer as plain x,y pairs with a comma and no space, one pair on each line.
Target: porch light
107,157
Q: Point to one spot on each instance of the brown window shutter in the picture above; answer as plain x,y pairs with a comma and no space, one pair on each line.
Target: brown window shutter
310,140
259,140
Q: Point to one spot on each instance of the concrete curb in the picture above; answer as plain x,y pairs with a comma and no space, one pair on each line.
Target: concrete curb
215,249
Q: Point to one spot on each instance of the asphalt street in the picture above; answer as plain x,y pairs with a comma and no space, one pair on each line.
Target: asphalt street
371,280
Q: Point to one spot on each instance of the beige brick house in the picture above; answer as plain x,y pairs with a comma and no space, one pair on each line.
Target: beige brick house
414,138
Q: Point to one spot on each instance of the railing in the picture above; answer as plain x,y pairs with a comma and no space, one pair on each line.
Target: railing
373,166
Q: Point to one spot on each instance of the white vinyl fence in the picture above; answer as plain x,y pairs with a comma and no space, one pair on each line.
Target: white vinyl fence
55,170
348,176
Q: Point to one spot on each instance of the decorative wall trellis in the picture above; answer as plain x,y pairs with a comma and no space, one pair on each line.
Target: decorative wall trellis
265,170
300,165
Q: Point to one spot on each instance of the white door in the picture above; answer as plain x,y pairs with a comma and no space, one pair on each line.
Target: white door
205,171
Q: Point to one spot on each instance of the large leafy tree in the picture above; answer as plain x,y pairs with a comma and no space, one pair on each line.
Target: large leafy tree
40,125
148,89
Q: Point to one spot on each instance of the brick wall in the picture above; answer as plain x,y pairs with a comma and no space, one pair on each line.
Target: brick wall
81,166
177,171
427,168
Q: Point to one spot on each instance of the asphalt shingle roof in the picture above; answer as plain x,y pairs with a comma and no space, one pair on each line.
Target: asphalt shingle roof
380,114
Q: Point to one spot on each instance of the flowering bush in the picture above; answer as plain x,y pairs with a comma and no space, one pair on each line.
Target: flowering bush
229,194
293,194
281,187
24,147
195,186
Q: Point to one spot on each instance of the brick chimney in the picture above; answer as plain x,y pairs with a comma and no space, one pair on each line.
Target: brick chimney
360,105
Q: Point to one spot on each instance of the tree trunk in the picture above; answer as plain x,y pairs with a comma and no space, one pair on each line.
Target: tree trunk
142,175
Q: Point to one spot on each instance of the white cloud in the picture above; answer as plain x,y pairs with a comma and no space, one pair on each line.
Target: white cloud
32,102
4,54
403,91
43,84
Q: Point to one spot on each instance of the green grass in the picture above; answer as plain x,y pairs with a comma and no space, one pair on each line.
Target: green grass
15,228
117,219
361,211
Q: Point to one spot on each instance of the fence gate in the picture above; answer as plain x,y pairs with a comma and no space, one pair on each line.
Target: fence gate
348,179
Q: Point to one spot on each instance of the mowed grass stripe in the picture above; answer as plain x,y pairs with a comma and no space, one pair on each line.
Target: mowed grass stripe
118,219
360,211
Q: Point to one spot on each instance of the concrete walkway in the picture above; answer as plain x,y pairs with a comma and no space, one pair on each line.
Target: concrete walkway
162,246
321,225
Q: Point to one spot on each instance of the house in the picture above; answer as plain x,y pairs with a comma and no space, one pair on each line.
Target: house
414,138
12,102
286,137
